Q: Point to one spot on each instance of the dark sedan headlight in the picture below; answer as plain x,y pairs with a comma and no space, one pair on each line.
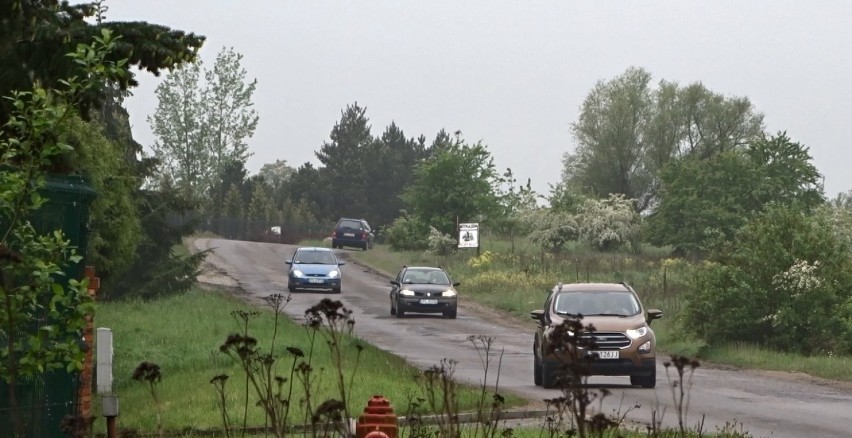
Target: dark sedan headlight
448,293
406,293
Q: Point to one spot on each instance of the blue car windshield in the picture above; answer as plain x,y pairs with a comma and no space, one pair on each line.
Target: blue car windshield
314,258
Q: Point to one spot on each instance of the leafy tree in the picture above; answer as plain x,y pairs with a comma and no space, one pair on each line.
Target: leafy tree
261,210
784,281
202,126
114,221
457,184
711,198
343,160
40,317
389,165
36,36
515,202
276,174
178,125
628,131
306,184
611,145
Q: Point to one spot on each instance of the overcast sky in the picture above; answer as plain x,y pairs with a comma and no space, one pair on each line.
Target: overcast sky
513,74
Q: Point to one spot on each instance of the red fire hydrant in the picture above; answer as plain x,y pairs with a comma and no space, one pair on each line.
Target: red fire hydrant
378,420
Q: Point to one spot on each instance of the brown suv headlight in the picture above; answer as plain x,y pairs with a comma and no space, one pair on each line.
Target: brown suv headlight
637,332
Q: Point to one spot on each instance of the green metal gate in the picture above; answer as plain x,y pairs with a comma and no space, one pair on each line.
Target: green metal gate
46,399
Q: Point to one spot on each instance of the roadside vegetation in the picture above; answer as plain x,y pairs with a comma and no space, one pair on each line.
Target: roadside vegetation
518,283
182,336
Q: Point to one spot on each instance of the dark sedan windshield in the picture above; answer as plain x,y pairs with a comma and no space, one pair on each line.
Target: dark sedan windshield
425,276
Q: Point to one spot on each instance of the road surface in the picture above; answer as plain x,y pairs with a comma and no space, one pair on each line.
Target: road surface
766,404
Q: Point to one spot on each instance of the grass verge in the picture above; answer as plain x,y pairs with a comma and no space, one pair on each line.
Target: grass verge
182,335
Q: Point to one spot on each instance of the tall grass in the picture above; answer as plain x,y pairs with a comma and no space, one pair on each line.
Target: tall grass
182,334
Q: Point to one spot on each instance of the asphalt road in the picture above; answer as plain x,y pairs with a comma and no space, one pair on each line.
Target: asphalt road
765,404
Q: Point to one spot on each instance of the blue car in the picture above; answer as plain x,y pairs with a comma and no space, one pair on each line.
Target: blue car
314,268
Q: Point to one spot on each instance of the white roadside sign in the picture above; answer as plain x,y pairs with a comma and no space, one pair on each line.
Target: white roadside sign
468,235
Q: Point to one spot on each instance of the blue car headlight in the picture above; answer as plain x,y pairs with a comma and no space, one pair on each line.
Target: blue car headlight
333,274
297,273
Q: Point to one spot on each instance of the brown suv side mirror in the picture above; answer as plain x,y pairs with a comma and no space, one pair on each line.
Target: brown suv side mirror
537,315
654,314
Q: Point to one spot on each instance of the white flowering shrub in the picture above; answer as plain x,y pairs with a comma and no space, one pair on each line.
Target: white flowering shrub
440,243
551,230
799,279
607,224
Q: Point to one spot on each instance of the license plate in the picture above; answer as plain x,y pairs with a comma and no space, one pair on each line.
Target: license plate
316,280
607,354
348,234
428,301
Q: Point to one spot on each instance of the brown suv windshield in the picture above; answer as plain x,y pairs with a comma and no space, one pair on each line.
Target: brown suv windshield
596,303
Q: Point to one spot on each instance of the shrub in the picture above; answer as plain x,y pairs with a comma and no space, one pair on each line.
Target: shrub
407,233
440,243
783,281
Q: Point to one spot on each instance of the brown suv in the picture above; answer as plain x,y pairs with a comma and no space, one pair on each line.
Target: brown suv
622,343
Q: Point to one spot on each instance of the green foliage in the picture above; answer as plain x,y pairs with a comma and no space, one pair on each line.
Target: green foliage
41,317
440,243
628,131
389,166
551,229
784,281
704,199
202,121
115,226
407,233
456,184
344,160
36,36
157,269
608,224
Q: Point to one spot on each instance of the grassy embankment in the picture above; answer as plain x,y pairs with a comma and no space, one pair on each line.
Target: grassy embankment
182,335
516,281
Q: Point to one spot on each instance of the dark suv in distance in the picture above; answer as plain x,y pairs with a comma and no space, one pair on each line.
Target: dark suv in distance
352,232
623,343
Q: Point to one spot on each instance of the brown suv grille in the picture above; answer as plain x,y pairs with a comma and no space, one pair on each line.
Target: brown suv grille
608,340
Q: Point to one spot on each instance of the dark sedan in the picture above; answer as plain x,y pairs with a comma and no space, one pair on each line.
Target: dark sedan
423,290
314,268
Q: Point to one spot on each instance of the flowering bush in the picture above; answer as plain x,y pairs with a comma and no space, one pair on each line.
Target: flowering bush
440,243
609,223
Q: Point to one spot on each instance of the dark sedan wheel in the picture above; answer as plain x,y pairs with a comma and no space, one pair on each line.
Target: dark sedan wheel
399,312
393,309
451,313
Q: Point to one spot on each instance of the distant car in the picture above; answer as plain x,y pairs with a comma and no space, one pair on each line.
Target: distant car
623,341
423,290
314,268
352,232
